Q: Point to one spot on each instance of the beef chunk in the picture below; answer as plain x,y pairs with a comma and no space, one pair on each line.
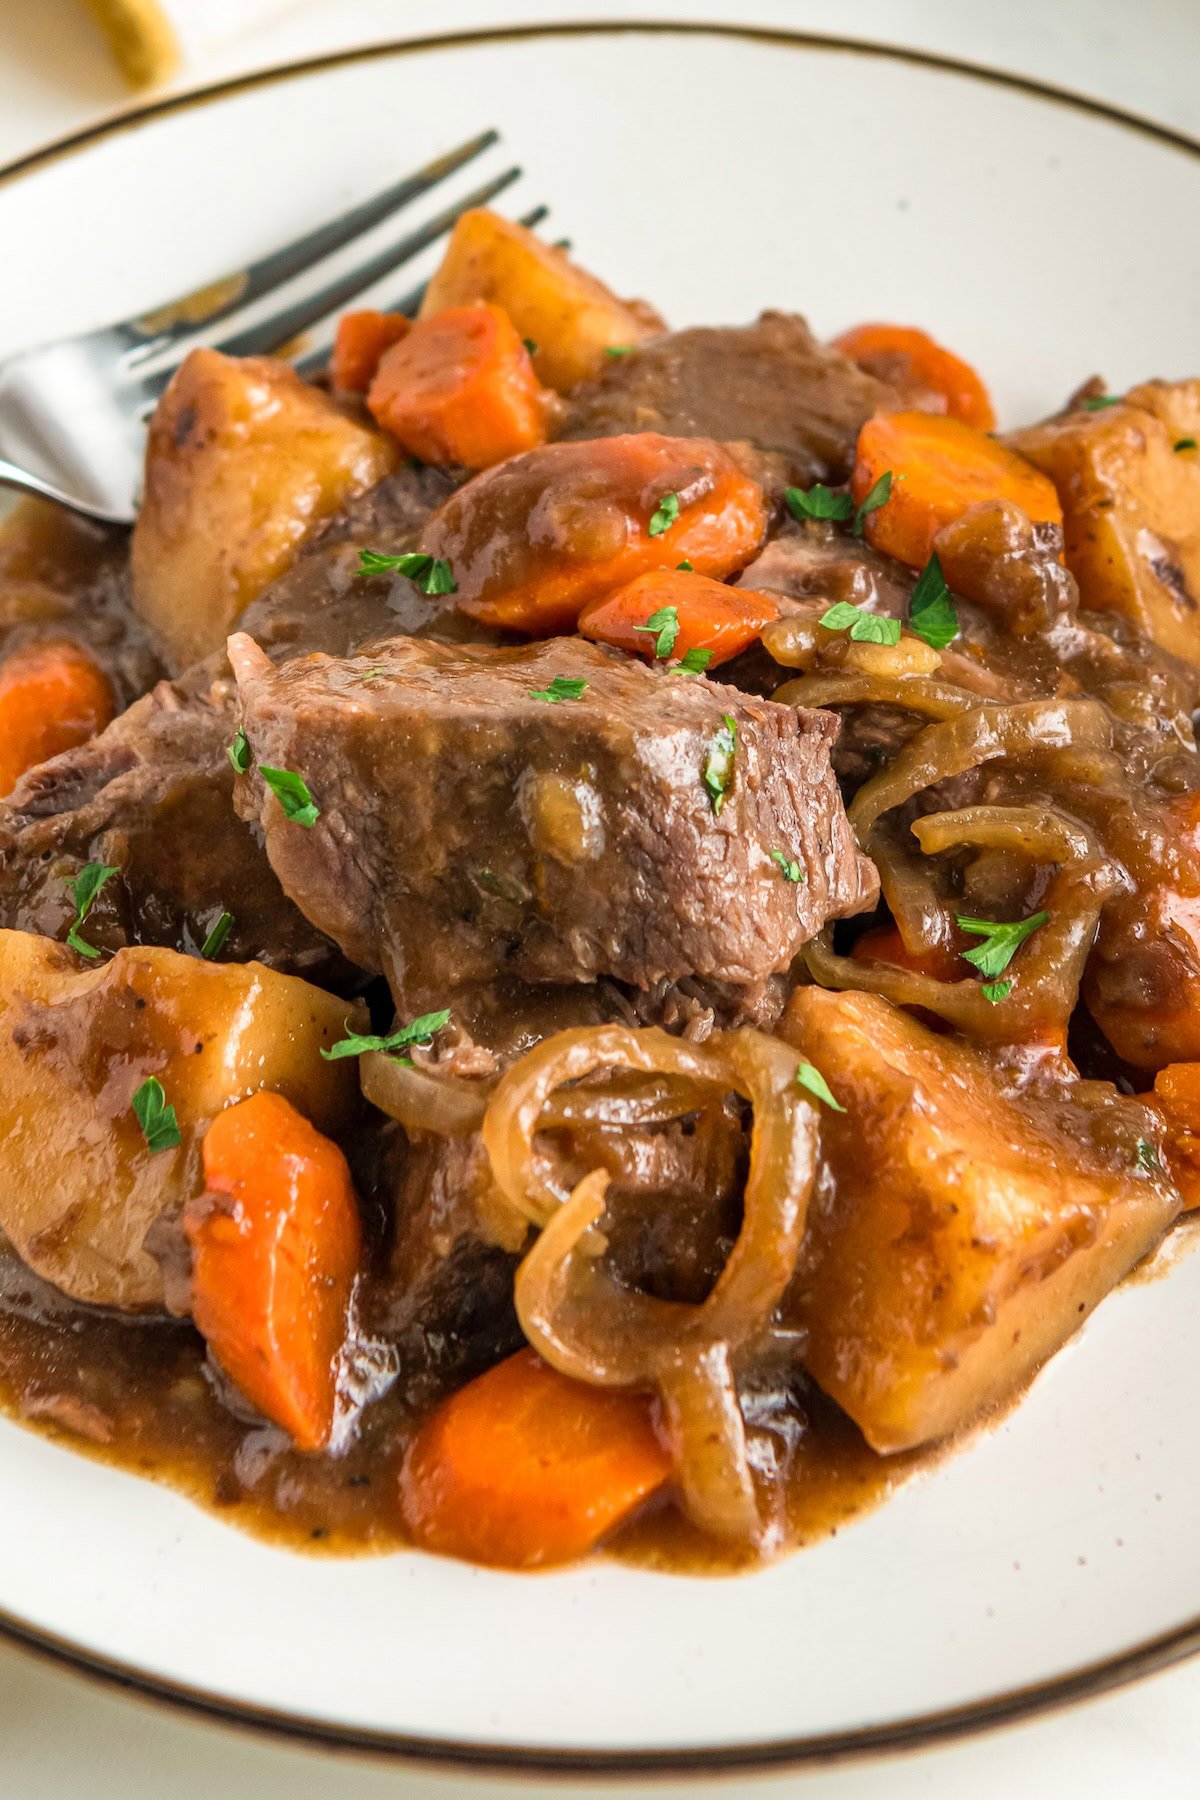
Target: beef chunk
153,793
470,828
795,404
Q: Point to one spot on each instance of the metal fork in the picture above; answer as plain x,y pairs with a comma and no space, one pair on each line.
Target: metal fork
73,413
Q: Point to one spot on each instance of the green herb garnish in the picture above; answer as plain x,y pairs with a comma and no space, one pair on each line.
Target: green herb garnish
419,1032
160,1127
432,574
531,345
931,611
812,1079
664,515
1003,941
865,627
685,566
239,753
995,991
83,890
563,687
790,867
291,791
819,502
693,662
719,761
1184,444
1098,402
663,627
871,502
1147,1156
214,943
617,349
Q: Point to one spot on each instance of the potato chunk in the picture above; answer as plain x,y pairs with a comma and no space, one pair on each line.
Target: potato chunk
1131,506
244,462
570,315
960,1232
78,1186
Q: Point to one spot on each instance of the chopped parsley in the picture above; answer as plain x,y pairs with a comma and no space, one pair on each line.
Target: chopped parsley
617,349
1183,444
790,867
531,345
812,1080
719,761
878,496
685,566
214,943
419,1032
83,890
663,627
563,687
995,991
432,574
160,1127
664,515
1002,941
291,791
1147,1156
239,753
1097,402
865,627
931,611
693,662
819,502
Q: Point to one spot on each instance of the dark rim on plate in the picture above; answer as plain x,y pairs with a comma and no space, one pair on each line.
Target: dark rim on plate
920,1732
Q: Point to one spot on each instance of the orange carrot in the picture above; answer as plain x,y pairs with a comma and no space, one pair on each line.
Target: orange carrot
53,695
1177,1096
906,356
939,468
533,541
524,1467
460,388
883,943
358,345
276,1243
708,616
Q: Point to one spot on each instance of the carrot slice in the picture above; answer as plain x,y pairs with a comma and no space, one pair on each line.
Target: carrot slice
906,355
533,541
276,1243
939,468
359,343
708,616
1177,1096
523,1467
53,695
460,388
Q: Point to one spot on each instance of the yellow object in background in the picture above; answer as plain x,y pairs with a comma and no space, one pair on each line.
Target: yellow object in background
152,39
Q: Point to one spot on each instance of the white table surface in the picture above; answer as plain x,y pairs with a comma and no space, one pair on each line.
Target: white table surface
63,1738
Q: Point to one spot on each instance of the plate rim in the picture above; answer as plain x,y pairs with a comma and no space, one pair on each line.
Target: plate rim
920,1731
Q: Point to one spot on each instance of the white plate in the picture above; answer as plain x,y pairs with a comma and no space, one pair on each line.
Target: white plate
716,172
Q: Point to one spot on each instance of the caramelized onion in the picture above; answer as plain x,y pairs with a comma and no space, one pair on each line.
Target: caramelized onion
422,1101
1046,979
581,1319
915,693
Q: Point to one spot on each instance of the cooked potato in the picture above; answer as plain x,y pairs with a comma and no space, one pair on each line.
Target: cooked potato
969,1232
78,1186
570,315
1131,506
244,462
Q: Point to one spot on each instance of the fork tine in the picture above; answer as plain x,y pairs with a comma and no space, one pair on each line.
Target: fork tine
270,333
313,361
284,264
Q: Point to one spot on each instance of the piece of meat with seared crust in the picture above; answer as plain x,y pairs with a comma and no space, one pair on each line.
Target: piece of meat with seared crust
792,402
471,828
